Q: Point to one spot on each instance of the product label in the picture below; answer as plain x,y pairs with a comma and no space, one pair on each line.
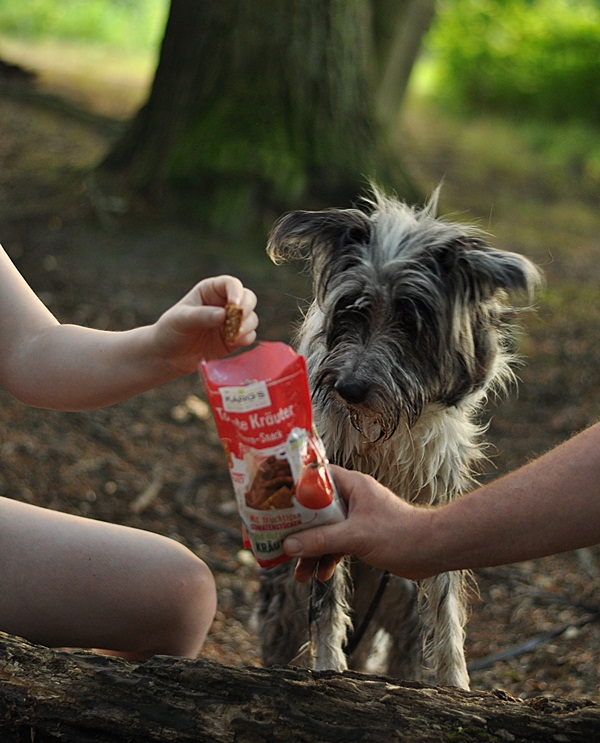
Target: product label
244,399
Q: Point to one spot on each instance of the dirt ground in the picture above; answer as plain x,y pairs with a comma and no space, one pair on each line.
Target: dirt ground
155,462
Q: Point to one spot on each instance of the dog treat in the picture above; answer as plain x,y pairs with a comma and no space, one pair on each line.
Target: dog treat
262,408
233,320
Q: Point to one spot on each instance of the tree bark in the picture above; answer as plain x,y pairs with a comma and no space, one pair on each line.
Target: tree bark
190,48
258,107
82,697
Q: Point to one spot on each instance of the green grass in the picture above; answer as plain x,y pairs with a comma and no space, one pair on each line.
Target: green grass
532,184
130,24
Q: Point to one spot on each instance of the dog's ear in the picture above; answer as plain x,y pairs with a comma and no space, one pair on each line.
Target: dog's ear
487,270
305,235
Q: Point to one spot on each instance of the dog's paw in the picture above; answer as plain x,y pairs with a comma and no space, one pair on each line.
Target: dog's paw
330,659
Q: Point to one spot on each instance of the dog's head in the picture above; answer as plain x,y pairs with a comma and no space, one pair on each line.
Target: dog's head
412,310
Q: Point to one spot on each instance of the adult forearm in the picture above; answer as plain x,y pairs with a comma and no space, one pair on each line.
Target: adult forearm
548,506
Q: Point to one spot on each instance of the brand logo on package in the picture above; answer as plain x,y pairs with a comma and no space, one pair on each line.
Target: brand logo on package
244,399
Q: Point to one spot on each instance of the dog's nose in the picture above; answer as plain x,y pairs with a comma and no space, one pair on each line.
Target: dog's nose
352,391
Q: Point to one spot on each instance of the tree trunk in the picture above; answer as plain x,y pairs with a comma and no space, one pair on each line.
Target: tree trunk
399,28
82,697
257,106
192,36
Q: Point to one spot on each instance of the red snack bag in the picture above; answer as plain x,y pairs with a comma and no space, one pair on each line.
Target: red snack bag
261,404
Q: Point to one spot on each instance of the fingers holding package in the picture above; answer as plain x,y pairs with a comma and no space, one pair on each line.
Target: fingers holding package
381,529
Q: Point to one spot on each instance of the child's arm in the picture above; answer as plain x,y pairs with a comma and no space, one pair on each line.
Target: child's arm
67,367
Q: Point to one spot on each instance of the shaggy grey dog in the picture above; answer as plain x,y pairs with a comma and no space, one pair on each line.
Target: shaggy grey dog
409,331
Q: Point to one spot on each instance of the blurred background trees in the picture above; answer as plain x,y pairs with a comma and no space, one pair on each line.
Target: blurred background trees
536,59
261,105
256,107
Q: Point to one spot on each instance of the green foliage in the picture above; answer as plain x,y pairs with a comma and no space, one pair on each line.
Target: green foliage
130,24
571,149
537,58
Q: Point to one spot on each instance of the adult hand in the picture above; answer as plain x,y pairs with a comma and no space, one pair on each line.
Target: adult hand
550,505
381,529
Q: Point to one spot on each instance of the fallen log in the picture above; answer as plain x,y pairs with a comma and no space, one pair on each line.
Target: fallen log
83,697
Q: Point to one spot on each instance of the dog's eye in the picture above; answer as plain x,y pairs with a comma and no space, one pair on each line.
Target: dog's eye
406,312
404,307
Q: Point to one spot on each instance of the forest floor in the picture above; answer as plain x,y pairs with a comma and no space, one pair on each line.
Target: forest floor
155,462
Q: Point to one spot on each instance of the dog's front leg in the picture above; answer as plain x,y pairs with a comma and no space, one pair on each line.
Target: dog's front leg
445,596
330,621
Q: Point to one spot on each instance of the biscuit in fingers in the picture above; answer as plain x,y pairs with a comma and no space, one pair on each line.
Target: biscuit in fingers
233,321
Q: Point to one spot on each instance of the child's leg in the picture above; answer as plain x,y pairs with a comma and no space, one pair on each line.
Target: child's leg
67,581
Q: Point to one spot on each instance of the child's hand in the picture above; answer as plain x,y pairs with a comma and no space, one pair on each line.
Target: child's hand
193,328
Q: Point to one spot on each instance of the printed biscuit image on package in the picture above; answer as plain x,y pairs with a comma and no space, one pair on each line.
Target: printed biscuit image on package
261,405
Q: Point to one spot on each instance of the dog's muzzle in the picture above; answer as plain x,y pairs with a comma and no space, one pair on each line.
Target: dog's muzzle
372,415
354,392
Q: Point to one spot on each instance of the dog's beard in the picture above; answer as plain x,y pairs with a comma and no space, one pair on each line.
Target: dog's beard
370,429
384,408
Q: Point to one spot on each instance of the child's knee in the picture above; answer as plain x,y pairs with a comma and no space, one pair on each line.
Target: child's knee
194,605
199,589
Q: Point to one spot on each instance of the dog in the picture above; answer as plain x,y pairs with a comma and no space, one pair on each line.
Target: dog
409,332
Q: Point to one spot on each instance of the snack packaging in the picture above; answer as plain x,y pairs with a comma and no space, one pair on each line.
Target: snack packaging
262,409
